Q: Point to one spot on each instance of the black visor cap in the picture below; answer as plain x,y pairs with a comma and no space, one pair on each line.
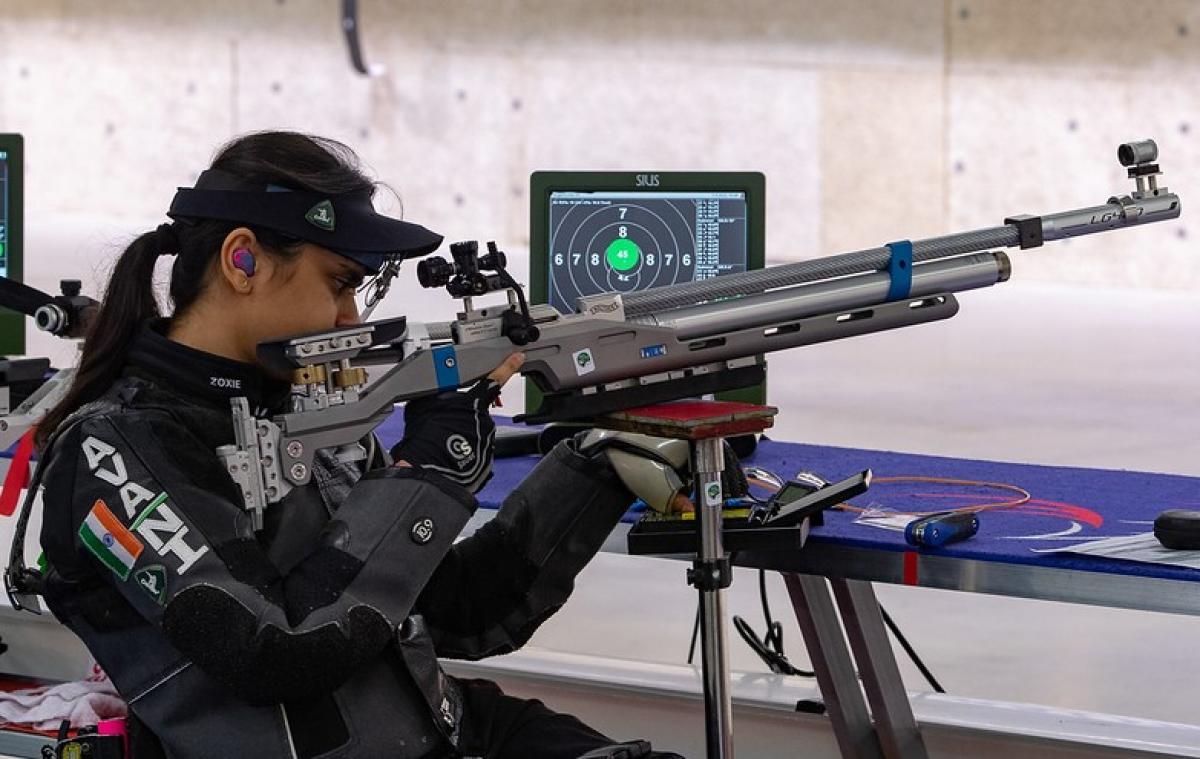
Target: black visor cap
345,224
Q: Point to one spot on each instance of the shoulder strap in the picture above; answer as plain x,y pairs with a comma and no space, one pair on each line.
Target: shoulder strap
23,583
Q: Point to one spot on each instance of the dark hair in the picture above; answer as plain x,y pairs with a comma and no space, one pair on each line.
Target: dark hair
287,159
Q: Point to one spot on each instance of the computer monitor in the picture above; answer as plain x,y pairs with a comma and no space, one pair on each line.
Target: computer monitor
12,198
593,232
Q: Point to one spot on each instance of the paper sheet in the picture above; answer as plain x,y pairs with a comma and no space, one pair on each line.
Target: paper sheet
1142,547
874,516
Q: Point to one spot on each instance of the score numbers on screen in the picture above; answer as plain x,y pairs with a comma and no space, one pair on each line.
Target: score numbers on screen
625,244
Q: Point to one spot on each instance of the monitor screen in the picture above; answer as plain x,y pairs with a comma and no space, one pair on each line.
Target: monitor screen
5,211
608,241
12,323
593,232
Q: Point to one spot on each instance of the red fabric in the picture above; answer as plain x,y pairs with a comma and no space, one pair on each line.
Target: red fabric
18,475
10,683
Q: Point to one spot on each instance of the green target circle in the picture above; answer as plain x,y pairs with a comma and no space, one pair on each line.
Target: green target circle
623,254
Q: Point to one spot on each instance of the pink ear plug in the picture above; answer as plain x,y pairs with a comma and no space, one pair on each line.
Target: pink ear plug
243,260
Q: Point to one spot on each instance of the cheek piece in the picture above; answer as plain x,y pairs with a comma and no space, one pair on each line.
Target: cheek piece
243,260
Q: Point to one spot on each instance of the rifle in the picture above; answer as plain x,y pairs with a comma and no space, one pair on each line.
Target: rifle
618,351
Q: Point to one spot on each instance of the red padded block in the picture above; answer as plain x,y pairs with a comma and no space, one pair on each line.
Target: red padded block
693,420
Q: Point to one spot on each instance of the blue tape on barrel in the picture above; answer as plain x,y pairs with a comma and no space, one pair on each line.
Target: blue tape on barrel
900,267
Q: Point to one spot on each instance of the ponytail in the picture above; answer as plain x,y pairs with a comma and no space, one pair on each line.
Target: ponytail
128,302
284,159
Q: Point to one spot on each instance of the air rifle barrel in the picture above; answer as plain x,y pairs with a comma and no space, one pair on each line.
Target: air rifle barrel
1118,212
849,293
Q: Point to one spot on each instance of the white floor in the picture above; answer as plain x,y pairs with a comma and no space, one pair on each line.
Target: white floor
1024,373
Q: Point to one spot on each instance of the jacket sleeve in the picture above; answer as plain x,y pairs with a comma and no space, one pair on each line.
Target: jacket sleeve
495,588
152,507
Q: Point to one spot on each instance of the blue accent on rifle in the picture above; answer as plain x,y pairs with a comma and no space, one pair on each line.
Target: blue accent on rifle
445,364
900,267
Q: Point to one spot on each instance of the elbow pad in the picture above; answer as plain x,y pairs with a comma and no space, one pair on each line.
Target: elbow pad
654,469
335,611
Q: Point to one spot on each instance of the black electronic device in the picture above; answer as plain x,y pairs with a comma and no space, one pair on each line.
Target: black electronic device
593,232
665,535
782,523
12,229
1178,529
798,500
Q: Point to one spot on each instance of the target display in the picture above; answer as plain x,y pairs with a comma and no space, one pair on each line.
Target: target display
626,241
4,213
12,323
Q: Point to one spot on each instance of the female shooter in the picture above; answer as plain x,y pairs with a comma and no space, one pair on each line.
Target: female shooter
317,635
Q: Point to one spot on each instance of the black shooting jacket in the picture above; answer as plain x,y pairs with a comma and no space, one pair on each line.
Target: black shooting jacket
318,636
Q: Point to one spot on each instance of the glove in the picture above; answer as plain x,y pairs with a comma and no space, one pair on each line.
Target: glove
656,469
452,434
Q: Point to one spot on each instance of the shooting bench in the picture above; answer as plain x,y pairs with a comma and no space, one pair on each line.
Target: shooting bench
705,424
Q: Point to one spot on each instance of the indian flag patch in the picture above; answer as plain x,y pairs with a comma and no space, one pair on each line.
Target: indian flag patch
115,546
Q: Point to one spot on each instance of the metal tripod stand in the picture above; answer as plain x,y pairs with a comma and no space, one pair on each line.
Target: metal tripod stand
705,425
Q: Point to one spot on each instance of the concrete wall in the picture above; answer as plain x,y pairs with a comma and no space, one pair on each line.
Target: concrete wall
873,120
